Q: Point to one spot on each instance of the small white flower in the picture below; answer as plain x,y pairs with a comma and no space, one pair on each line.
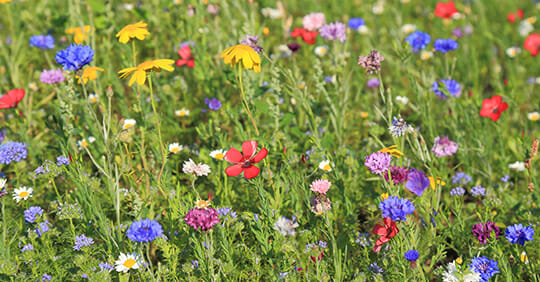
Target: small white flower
457,16
23,193
175,148
91,139
182,112
403,100
363,29
452,274
218,154
321,50
523,257
271,13
534,116
3,182
517,166
128,123
286,226
200,169
93,98
128,6
325,165
82,143
127,262
537,80
408,28
378,8
425,55
525,27
512,52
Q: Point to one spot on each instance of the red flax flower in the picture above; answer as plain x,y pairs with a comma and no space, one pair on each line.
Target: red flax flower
532,44
388,231
511,17
186,57
308,36
493,107
11,99
445,10
245,162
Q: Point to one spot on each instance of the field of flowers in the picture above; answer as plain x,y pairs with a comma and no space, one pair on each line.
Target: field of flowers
291,140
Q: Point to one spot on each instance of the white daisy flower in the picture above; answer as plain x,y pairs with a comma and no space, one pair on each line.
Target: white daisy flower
182,112
175,148
200,169
408,28
93,98
378,8
525,27
127,262
321,50
513,51
534,116
517,166
403,100
82,143
325,165
218,154
128,123
23,193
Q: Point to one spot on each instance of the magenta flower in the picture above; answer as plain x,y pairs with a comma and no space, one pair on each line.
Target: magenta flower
399,174
202,219
482,231
444,147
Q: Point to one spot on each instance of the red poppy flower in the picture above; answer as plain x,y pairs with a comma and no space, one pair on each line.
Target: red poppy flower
445,10
493,107
297,32
186,58
532,43
245,162
388,231
511,17
307,36
11,99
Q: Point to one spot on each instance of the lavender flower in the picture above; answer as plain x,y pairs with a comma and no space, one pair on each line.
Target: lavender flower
12,152
478,191
52,76
31,214
372,62
378,162
461,178
444,147
27,247
82,241
105,267
61,160
373,83
214,104
334,31
458,191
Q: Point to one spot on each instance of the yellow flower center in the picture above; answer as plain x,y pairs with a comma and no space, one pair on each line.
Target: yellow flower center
322,51
219,156
459,260
23,194
202,204
129,263
363,114
535,117
83,143
327,167
126,126
175,149
182,113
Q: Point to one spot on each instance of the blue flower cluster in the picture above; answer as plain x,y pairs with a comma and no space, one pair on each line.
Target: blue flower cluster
450,85
12,152
61,160
517,233
42,41
82,241
31,214
485,267
458,191
144,230
74,57
418,40
478,191
445,45
396,208
461,178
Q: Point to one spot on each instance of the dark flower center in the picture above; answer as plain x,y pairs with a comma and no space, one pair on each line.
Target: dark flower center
247,164
495,110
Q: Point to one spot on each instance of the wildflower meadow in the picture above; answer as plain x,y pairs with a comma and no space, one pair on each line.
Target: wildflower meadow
257,140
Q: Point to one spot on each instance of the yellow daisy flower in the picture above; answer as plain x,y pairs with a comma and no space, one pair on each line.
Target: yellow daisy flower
130,31
384,196
202,204
80,34
89,73
243,54
139,72
4,1
434,183
392,151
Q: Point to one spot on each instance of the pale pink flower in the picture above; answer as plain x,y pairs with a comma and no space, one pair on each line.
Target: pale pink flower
320,186
200,169
313,21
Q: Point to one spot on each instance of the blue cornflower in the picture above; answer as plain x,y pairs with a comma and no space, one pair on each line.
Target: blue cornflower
411,255
214,104
399,127
485,267
42,41
144,230
43,228
418,40
478,191
3,134
450,85
458,191
396,208
517,233
31,214
27,247
417,182
106,267
82,241
355,23
445,45
461,178
61,160
74,57
12,152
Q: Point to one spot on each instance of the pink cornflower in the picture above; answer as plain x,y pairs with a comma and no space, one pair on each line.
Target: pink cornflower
313,21
444,147
52,76
320,186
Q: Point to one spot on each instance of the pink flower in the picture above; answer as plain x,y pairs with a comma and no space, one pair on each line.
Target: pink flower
313,21
320,186
202,219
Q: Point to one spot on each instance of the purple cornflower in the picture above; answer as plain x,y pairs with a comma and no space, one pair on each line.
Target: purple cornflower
461,178
144,230
61,160
378,162
214,104
396,208
27,247
445,45
252,41
202,219
418,40
417,182
372,62
82,241
42,41
457,32
458,191
12,152
74,57
517,233
399,174
452,86
485,267
333,31
478,191
52,76
444,147
31,214
373,83
482,231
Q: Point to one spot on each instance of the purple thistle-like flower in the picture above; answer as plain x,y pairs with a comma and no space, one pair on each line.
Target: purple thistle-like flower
444,147
485,267
52,76
214,104
12,152
372,62
202,219
373,83
396,208
482,231
517,233
252,41
334,31
417,182
31,214
457,32
452,86
478,191
144,230
378,162
399,174
82,241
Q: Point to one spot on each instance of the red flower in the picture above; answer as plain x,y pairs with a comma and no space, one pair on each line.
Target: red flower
511,17
532,43
307,36
493,107
315,259
245,162
11,99
388,231
445,10
297,32
186,57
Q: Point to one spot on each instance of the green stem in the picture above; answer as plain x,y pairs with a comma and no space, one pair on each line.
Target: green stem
245,101
163,156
